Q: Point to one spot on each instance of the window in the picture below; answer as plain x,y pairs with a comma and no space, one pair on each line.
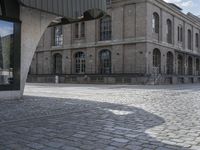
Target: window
6,52
189,39
170,62
197,40
105,61
108,2
180,65
156,61
180,33
169,31
190,66
155,23
83,29
105,28
58,35
57,64
80,63
76,30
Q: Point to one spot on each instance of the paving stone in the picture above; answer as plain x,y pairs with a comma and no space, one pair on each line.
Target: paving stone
120,140
84,117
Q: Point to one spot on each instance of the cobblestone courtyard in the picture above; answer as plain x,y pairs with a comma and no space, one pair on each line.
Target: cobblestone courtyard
102,117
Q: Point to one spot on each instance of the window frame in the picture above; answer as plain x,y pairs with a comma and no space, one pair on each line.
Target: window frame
16,55
105,26
105,63
58,39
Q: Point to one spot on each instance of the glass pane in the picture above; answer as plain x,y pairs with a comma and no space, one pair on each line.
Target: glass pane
6,50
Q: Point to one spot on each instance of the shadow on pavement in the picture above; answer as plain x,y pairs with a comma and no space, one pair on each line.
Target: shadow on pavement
58,124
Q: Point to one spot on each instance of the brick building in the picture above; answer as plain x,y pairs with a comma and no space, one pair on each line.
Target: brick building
139,41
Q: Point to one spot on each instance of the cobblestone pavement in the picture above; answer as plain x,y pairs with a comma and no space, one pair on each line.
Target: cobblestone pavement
102,117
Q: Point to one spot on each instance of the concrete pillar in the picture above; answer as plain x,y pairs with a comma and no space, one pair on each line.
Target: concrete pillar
34,23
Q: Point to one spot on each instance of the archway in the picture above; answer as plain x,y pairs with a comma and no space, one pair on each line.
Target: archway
170,63
156,61
180,65
80,64
190,65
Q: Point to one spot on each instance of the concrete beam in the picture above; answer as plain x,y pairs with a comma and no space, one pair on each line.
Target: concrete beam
34,24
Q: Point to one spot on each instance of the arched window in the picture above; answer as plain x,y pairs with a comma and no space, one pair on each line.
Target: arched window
180,33
105,61
156,60
170,63
57,63
197,65
155,23
105,28
189,39
169,31
197,40
180,65
190,66
80,63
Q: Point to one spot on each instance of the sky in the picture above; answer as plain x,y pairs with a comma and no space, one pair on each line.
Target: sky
6,28
192,6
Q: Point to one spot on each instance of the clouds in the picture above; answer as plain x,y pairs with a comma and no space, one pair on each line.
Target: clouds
182,3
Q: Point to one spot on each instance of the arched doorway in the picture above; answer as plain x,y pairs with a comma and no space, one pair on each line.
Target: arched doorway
80,63
105,62
190,65
197,66
57,63
170,63
156,61
180,65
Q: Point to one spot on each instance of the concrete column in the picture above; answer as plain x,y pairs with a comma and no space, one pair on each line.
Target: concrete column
34,23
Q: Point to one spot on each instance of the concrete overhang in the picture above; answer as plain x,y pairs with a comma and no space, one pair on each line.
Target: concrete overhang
69,11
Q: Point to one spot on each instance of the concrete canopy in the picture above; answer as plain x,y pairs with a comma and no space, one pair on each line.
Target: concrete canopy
32,18
69,10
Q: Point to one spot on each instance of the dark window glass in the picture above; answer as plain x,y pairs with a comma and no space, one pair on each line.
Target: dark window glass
155,23
197,65
76,30
197,40
190,66
57,64
156,61
108,2
180,33
105,62
169,31
189,39
180,65
83,29
6,52
105,28
170,63
58,36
